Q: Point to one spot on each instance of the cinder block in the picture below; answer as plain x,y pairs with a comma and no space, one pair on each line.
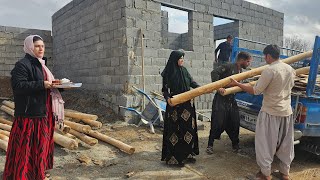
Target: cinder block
253,6
116,14
153,6
188,4
201,8
238,2
138,4
215,5
177,2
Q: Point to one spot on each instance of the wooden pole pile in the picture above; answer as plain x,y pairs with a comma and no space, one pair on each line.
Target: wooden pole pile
80,131
301,82
209,88
89,119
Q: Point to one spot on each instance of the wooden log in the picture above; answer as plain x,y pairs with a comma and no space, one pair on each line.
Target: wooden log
4,121
65,130
65,141
3,145
209,88
10,104
87,139
79,115
236,89
78,127
5,127
71,136
7,110
7,133
4,98
122,146
4,137
70,119
92,123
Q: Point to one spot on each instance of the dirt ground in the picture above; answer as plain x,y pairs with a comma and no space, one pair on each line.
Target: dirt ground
108,162
5,87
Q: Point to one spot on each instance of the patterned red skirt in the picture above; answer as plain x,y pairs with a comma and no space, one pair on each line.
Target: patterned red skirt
30,147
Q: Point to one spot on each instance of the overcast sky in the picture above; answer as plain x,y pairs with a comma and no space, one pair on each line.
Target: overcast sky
301,16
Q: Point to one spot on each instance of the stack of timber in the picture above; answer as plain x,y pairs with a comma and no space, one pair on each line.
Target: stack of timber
73,128
301,81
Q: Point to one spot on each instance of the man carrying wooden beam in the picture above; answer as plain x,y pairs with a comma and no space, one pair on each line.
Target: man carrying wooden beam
225,114
274,126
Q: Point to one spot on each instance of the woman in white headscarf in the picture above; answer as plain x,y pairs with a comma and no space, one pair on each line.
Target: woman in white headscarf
38,107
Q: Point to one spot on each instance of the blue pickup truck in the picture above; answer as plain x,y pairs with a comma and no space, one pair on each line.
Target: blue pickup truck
305,101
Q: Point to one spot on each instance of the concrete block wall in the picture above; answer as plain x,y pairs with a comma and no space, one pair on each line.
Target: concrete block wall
177,41
172,40
164,29
11,46
199,61
90,46
104,49
222,31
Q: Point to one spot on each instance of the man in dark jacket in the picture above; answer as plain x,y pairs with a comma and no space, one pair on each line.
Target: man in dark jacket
225,51
225,113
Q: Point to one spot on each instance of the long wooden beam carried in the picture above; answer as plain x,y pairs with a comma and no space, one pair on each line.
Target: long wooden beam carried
122,146
236,89
209,88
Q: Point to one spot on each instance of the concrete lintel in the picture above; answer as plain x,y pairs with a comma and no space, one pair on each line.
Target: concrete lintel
174,6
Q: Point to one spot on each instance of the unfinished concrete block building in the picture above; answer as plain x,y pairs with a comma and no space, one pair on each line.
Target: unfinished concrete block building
11,46
112,45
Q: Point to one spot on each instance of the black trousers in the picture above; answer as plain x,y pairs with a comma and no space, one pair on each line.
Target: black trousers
224,117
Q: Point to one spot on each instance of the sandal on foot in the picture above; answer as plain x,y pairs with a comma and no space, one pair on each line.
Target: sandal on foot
261,176
209,150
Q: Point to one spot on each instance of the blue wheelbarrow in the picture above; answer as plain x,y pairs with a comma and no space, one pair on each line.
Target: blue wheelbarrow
153,112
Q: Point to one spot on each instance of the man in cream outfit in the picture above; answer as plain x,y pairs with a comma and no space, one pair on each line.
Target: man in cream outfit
274,127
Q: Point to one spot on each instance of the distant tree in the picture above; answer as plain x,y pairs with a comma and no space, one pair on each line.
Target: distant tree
297,43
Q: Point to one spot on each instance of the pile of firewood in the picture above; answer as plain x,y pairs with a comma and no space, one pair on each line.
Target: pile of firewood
301,81
71,133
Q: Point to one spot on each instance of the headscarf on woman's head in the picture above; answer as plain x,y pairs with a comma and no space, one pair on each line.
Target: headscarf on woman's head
57,101
29,45
176,77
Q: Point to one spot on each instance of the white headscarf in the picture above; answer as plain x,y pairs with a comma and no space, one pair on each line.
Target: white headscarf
57,101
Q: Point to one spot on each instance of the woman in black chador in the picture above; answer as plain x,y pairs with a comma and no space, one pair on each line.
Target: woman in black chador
180,138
